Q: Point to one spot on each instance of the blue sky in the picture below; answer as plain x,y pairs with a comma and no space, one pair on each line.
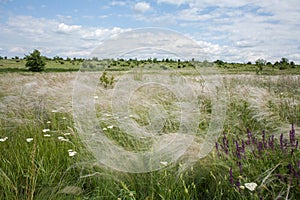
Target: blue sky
230,30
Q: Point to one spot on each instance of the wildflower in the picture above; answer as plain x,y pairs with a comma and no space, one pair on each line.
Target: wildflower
105,129
240,167
251,186
231,176
292,135
46,130
281,140
110,127
72,153
48,122
238,184
29,139
3,139
260,147
217,146
64,118
47,135
242,187
62,139
164,163
96,97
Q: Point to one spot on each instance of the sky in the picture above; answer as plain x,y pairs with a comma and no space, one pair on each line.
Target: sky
228,30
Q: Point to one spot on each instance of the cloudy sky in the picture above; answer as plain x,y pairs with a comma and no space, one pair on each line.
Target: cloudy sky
230,30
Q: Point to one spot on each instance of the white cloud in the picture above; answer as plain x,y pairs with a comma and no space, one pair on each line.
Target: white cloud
17,50
22,34
118,3
175,2
141,7
64,28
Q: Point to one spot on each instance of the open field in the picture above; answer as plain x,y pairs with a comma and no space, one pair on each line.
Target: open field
18,65
44,157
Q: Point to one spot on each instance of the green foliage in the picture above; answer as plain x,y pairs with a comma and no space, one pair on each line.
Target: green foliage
35,62
107,81
260,63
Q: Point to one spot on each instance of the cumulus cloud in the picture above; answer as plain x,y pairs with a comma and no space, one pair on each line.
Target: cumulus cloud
22,34
64,28
141,7
176,2
118,3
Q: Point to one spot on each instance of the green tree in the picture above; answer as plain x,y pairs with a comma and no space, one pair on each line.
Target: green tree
260,63
35,62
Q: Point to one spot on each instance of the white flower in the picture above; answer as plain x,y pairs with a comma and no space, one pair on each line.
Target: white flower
3,139
96,97
72,153
242,187
29,139
47,135
46,130
48,122
110,127
164,163
64,118
251,186
105,129
62,139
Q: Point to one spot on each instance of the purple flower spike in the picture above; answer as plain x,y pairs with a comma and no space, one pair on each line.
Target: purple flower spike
240,167
264,138
260,147
281,140
231,177
292,135
243,146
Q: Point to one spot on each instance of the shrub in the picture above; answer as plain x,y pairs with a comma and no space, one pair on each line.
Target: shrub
35,62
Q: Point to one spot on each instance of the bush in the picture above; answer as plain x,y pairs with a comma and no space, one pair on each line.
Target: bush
35,62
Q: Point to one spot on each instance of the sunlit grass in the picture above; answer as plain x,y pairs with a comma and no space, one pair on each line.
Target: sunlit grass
42,156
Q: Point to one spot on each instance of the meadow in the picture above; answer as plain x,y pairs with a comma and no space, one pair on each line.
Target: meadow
43,157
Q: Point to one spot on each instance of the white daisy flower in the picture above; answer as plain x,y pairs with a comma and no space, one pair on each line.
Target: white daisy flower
46,130
164,163
47,135
3,139
110,127
72,153
62,139
251,186
29,139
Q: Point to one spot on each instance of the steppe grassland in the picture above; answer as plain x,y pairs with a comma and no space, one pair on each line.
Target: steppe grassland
43,157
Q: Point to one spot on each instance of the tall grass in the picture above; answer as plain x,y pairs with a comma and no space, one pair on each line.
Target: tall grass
42,157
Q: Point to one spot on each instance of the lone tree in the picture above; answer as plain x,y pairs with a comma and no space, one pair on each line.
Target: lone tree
35,62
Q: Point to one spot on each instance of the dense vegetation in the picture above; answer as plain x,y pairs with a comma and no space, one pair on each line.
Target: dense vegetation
59,64
42,156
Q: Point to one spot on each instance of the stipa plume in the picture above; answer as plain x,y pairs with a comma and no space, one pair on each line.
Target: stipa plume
150,120
34,95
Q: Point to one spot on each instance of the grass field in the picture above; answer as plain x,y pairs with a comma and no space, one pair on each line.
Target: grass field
43,157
